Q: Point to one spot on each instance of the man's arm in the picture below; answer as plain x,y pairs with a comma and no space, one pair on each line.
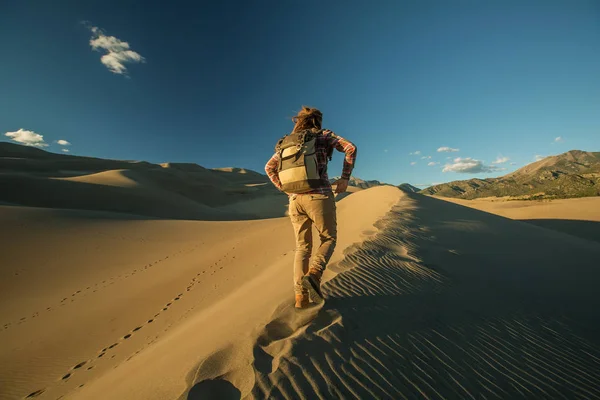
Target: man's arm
271,170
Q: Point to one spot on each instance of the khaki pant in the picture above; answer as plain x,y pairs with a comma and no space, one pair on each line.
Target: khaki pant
306,210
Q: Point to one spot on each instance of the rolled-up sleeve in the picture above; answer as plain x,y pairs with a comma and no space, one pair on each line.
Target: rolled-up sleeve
271,170
344,146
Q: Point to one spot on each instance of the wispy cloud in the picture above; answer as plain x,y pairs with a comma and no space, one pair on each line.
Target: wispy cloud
501,160
559,139
415,153
447,150
28,138
431,164
539,157
118,52
385,150
427,184
65,150
426,158
469,165
513,163
63,142
413,163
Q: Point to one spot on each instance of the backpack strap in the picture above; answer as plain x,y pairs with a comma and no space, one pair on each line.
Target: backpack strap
279,151
279,143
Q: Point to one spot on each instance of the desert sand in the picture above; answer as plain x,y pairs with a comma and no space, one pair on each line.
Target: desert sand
578,217
424,299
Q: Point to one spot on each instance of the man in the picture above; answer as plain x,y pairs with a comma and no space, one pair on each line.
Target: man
315,206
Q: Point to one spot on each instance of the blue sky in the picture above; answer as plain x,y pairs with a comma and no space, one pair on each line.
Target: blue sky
216,83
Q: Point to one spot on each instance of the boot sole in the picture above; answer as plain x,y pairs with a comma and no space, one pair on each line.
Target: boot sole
314,292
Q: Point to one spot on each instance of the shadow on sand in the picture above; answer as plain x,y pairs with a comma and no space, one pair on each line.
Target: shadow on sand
589,230
214,389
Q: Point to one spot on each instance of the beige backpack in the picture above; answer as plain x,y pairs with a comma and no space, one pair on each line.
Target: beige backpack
298,171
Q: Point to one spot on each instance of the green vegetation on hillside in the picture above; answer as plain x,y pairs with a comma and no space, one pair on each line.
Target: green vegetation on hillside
572,174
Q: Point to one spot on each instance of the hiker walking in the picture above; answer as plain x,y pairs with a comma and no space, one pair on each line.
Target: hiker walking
299,168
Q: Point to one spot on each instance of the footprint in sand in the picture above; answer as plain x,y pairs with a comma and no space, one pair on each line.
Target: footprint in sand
81,364
35,394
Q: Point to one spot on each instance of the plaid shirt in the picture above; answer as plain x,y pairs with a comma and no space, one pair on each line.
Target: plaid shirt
324,144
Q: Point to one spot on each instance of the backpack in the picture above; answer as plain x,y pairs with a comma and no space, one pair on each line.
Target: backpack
298,171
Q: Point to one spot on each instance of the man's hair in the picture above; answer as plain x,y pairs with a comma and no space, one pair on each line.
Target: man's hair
307,118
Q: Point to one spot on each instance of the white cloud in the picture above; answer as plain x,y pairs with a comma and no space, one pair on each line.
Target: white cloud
28,138
559,139
447,150
426,158
468,166
63,142
513,163
431,164
539,157
427,184
65,150
117,54
413,163
501,160
416,153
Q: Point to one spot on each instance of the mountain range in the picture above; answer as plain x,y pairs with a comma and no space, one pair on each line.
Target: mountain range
575,173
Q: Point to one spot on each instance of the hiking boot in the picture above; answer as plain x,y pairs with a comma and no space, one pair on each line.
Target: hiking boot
302,300
312,283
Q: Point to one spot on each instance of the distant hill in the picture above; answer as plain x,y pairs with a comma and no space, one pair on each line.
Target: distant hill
407,187
575,173
35,177
359,183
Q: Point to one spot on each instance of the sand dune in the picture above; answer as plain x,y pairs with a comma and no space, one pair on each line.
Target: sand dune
102,290
577,217
164,193
33,177
100,298
443,302
436,300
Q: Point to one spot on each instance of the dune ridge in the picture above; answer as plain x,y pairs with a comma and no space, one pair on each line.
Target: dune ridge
185,191
415,313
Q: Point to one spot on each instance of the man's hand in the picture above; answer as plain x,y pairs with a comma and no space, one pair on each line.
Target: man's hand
341,185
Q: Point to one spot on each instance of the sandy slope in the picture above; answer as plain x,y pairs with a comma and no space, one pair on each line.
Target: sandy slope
577,217
586,208
128,306
170,190
443,302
